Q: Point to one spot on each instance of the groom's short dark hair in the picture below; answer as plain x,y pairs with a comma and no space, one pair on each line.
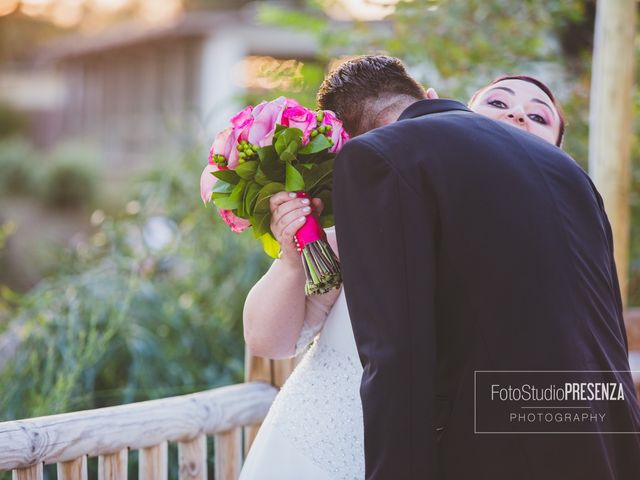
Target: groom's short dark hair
355,83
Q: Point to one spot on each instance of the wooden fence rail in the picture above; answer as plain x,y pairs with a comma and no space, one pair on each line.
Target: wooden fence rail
109,433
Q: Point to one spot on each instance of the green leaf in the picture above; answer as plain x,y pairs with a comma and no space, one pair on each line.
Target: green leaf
260,177
247,170
262,202
261,223
226,202
327,221
287,156
327,201
294,181
315,178
221,190
289,140
251,197
317,144
228,176
270,245
270,164
234,200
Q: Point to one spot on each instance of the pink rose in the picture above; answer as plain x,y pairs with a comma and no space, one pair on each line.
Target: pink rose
338,135
291,103
302,118
225,144
242,123
207,182
237,224
265,117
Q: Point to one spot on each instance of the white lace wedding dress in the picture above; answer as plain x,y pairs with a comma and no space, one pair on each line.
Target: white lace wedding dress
314,430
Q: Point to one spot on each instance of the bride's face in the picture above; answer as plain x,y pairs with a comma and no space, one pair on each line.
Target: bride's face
522,104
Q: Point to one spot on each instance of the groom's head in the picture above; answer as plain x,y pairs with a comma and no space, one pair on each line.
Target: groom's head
368,92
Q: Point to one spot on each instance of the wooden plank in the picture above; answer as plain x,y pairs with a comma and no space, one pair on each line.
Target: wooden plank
256,369
73,469
153,463
611,120
281,371
192,458
60,438
34,472
113,466
228,454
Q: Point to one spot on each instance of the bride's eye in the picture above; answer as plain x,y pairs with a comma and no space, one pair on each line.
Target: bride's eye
497,104
537,118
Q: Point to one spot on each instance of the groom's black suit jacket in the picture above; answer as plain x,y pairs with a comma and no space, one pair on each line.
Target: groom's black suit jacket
467,244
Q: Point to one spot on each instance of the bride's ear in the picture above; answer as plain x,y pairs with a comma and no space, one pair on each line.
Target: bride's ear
432,94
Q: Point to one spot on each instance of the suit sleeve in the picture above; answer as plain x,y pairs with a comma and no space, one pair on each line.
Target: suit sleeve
386,232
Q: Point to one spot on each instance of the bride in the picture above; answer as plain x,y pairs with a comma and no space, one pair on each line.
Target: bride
314,430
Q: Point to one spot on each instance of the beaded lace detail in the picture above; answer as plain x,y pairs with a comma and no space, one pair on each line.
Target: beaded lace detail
318,408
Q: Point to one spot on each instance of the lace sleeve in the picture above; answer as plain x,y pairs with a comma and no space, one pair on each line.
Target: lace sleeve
315,315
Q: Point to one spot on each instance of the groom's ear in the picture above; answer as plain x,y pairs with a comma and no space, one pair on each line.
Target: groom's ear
432,94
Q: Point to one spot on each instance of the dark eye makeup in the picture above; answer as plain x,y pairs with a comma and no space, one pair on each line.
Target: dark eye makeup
537,118
497,104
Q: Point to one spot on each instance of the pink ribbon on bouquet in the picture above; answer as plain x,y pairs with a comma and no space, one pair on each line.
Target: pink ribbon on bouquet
310,231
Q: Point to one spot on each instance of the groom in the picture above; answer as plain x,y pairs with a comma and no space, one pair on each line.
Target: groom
477,264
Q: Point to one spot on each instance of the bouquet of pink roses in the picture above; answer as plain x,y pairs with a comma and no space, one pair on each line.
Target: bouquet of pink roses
275,146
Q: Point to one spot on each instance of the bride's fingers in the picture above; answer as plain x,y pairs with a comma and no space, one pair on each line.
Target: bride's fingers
290,230
293,216
432,94
278,220
278,199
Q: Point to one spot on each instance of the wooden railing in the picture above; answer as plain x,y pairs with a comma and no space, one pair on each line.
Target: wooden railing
110,433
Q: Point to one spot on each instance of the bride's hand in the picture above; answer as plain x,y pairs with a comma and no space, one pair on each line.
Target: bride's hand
287,213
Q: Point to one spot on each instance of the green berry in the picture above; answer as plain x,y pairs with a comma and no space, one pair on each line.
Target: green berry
314,133
320,116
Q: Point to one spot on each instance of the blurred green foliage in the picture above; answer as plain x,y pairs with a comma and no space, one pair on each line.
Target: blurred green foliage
150,307
16,167
70,176
12,122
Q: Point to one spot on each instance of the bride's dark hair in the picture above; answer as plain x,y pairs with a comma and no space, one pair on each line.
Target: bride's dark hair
538,83
351,88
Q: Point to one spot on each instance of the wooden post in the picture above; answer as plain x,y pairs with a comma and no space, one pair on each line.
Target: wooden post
611,120
113,466
34,472
152,464
73,469
192,458
228,454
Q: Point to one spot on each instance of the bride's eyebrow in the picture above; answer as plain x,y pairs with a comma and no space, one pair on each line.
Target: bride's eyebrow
506,89
542,102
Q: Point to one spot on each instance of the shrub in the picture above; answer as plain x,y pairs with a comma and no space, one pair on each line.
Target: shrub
70,177
17,164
